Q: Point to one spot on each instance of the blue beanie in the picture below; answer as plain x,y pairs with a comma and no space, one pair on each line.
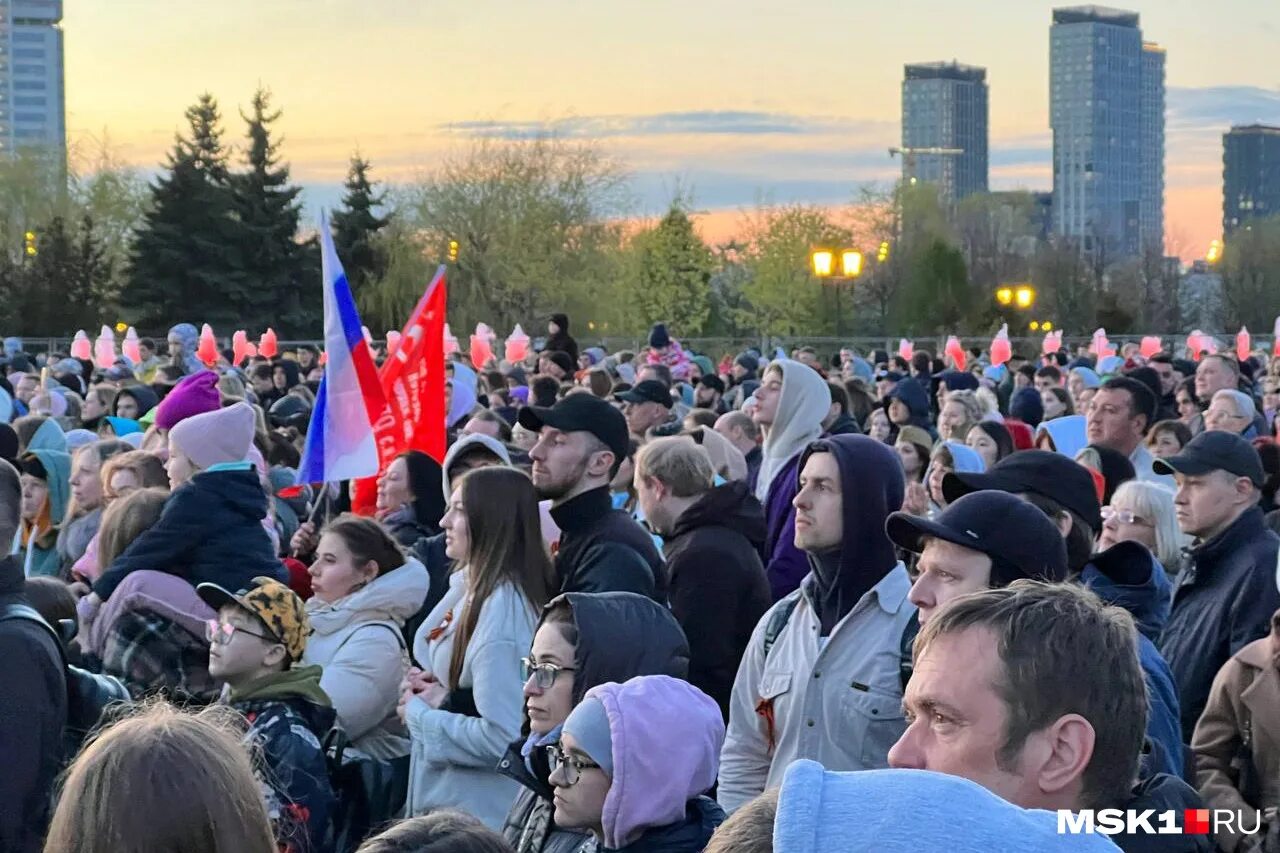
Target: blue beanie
1088,377
1027,407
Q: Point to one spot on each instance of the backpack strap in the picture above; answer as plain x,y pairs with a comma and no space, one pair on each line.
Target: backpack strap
16,610
778,620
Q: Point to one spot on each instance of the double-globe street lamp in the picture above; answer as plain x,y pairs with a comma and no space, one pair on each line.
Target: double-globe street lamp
823,264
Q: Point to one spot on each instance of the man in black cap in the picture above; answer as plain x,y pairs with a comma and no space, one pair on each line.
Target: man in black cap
1125,575
556,364
982,541
1227,592
646,406
582,440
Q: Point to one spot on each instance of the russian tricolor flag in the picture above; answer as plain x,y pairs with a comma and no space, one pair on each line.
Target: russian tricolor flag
340,443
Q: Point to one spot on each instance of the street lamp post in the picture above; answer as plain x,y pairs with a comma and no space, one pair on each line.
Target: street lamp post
823,264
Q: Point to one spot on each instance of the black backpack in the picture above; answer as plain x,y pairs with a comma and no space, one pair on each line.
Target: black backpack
89,695
906,663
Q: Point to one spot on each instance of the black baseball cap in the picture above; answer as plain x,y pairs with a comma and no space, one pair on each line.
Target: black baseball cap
648,391
582,413
1041,472
1215,451
1020,539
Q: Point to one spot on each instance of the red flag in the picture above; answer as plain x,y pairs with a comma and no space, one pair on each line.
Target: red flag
413,382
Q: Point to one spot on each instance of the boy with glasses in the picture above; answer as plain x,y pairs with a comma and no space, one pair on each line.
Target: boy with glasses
259,634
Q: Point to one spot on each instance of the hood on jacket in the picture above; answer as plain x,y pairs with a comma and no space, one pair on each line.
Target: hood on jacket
915,398
392,597
825,812
804,402
653,782
142,395
490,443
464,393
57,466
292,372
123,426
561,320
1067,434
731,505
300,687
49,437
622,635
1127,576
190,343
872,486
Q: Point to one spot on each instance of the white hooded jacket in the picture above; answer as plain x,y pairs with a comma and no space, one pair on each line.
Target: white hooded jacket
358,640
805,401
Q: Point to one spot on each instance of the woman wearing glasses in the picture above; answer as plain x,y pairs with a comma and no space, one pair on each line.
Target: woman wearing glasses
634,762
1144,513
584,640
464,705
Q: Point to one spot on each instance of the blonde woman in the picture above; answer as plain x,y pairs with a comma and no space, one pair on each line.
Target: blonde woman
1143,512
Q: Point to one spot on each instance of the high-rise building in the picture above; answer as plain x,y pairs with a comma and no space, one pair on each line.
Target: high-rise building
32,102
1107,115
944,106
1250,174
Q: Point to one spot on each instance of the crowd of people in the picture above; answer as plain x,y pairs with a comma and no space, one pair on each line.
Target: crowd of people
648,601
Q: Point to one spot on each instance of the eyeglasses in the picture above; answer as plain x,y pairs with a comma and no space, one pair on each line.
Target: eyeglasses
543,674
222,632
1124,516
573,767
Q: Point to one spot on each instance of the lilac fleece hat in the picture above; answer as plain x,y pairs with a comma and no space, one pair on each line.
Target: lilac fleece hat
666,736
194,395
216,437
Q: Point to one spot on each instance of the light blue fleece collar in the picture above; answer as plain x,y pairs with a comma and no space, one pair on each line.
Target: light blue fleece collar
227,466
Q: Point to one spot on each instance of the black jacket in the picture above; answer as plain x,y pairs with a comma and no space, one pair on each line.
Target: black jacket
210,531
1224,600
1163,793
701,817
620,635
845,425
718,586
562,341
33,712
754,458
604,550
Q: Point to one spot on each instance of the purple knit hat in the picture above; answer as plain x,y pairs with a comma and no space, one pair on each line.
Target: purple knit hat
194,395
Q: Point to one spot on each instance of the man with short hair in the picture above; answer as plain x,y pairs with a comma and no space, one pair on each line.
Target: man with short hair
742,433
1034,691
25,390
544,391
646,406
487,422
821,676
1218,372
1048,377
984,540
655,373
711,540
1162,364
1118,418
33,697
1227,592
582,441
838,420
145,370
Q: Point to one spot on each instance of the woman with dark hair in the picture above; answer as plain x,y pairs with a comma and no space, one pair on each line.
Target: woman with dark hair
584,640
991,440
1167,438
364,589
409,499
464,706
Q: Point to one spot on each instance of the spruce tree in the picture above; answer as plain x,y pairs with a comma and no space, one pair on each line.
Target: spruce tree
286,276
356,227
186,264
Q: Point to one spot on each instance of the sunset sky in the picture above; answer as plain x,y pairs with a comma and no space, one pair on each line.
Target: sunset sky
735,101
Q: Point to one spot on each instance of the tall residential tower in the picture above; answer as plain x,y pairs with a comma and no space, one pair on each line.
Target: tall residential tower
1107,115
32,102
944,105
1250,175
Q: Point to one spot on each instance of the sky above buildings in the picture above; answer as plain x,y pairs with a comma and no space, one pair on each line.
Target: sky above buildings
731,100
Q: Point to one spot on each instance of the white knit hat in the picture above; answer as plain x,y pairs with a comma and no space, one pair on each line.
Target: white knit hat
223,435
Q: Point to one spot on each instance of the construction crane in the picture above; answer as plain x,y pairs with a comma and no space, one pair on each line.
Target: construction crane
909,156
